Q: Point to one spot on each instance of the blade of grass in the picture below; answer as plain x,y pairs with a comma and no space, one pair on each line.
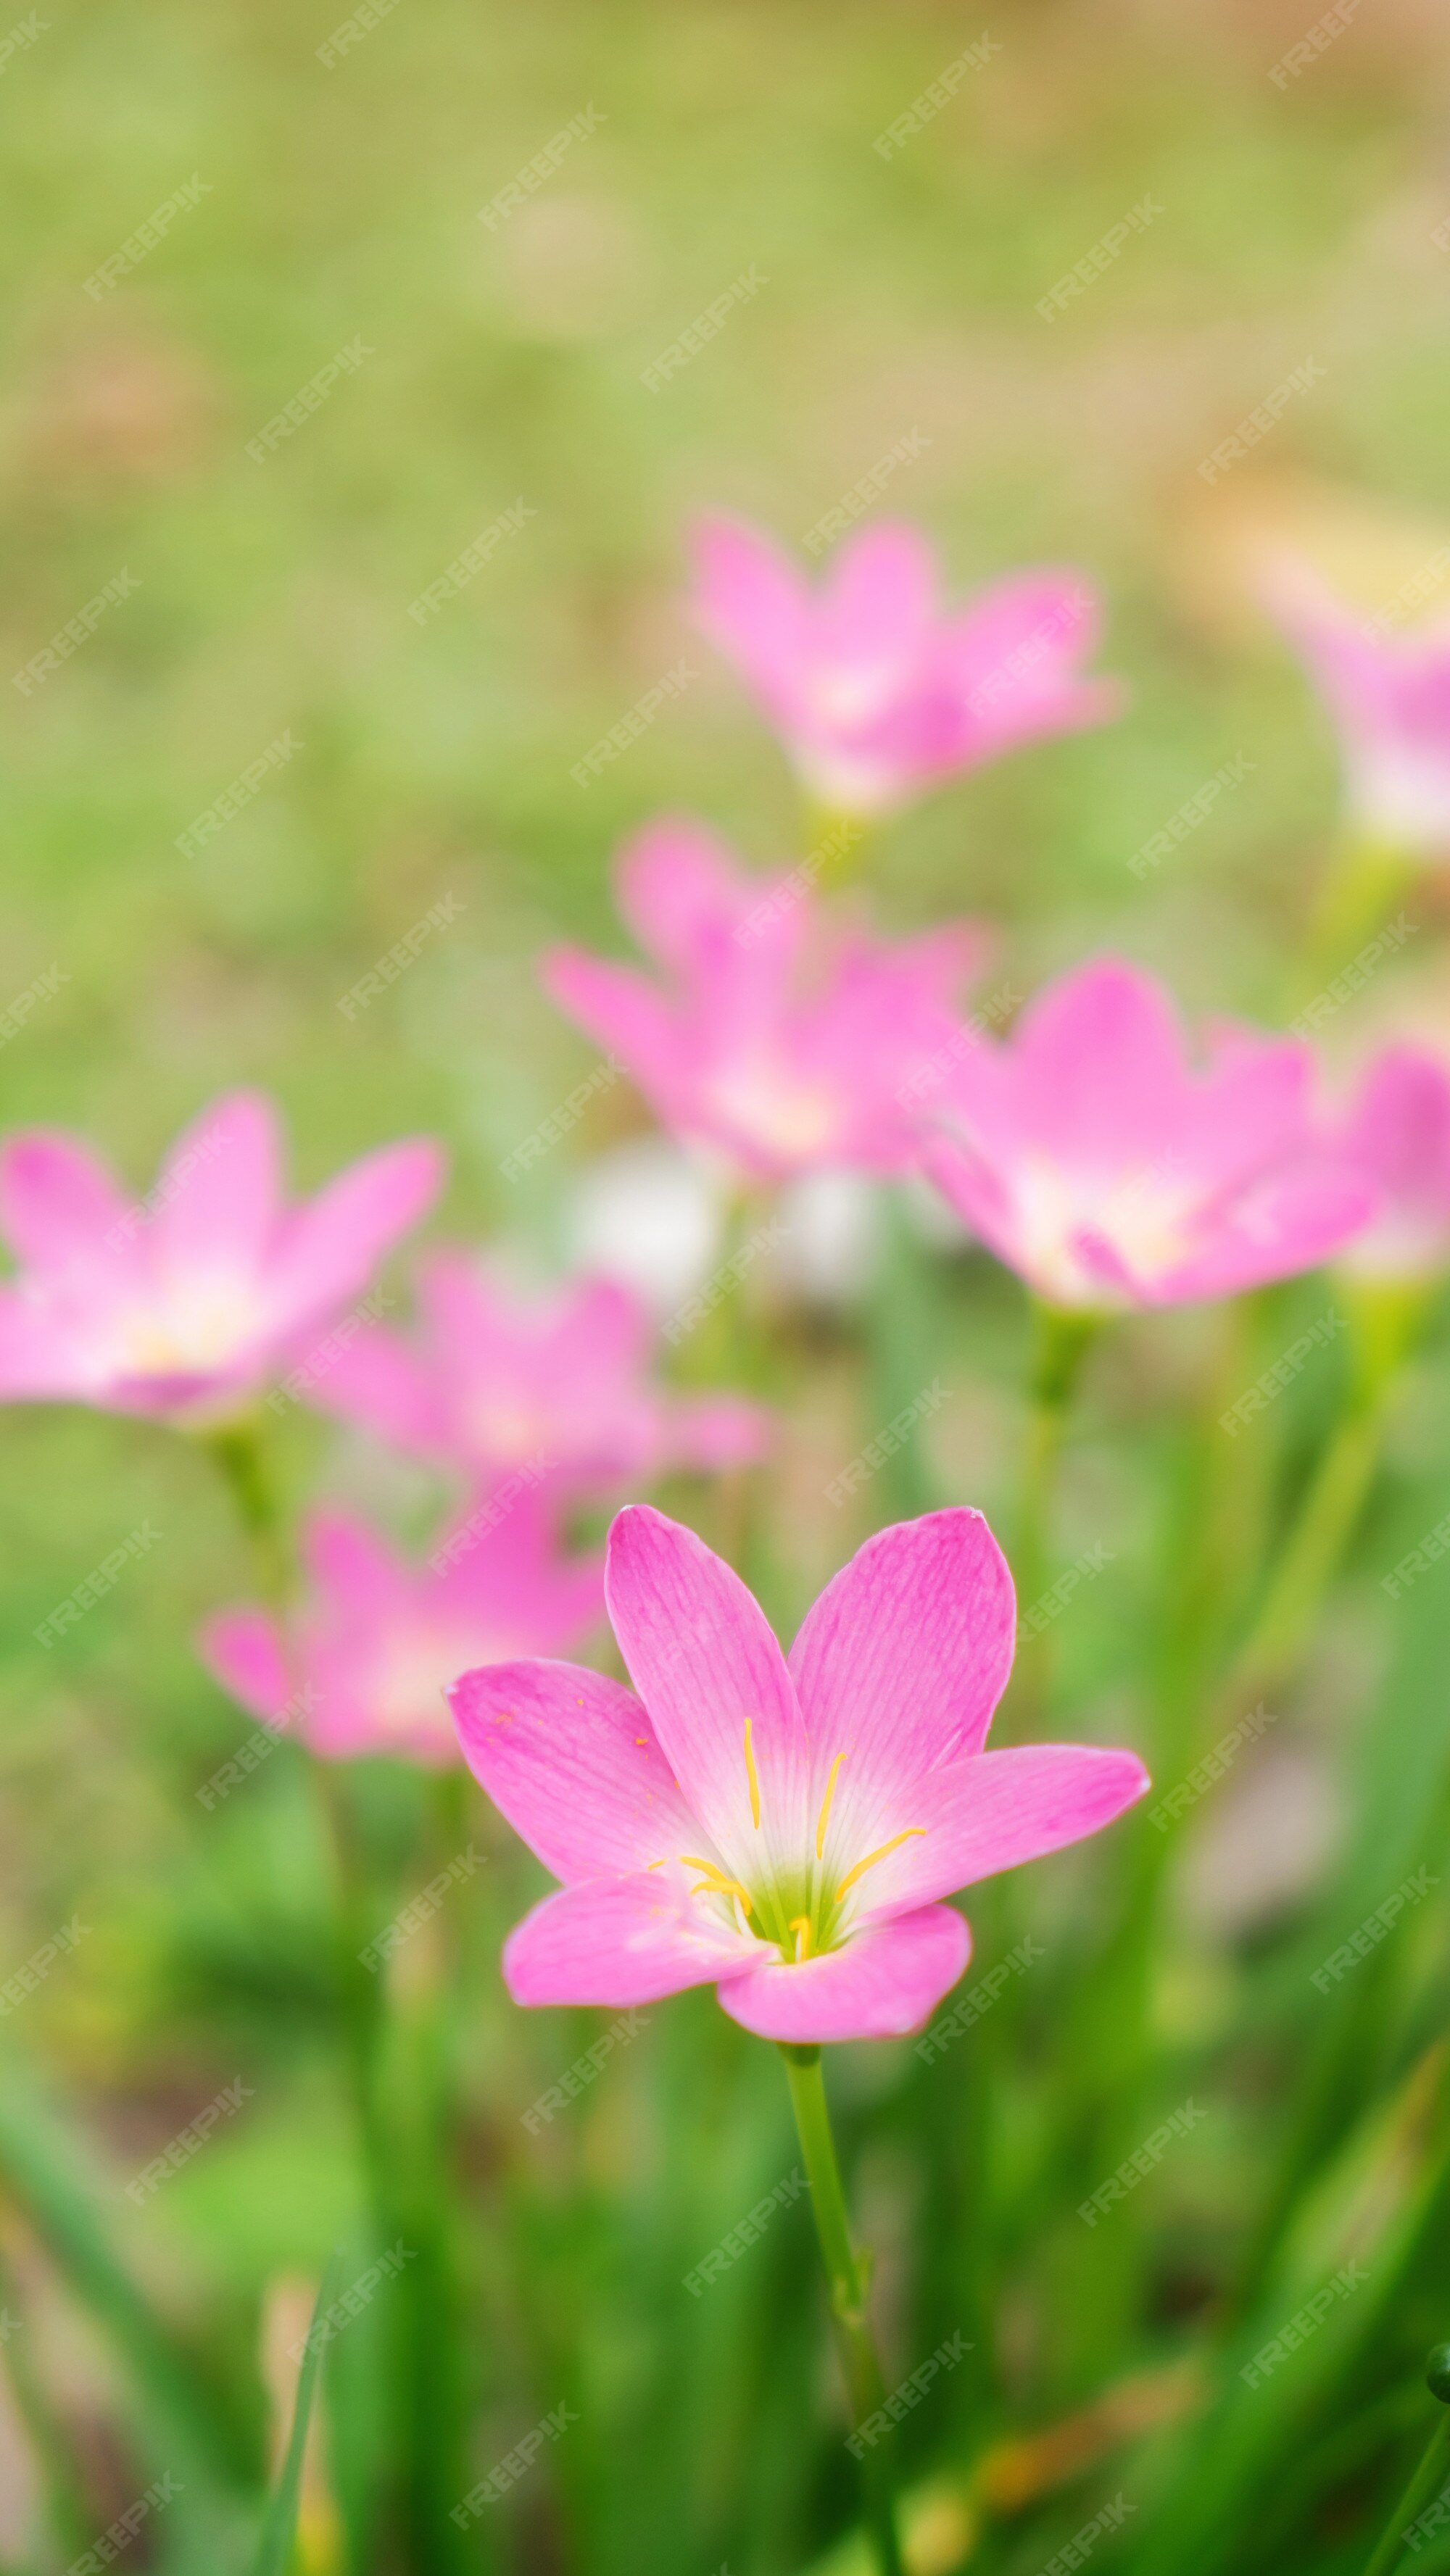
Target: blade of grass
279,2528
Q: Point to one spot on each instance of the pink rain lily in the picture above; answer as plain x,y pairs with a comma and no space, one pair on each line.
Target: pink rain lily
788,1053
875,693
364,1669
181,1306
1389,695
557,1387
785,1829
1105,1169
1397,1135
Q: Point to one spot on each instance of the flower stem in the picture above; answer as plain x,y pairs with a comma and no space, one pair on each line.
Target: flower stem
1433,2464
1060,1340
240,1456
1366,881
846,2273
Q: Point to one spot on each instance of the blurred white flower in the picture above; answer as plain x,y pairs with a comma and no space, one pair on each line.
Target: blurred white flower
831,1238
648,1214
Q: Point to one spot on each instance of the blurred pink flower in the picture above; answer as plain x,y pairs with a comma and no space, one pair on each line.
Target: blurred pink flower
874,692
1107,1172
558,1386
182,1305
378,1639
782,1829
1397,1135
788,1055
1389,696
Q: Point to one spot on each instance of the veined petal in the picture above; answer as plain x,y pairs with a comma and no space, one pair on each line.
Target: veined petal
884,1981
707,1668
992,1812
573,1762
620,1941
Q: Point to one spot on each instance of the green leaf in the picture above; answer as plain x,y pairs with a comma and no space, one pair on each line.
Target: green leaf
279,2530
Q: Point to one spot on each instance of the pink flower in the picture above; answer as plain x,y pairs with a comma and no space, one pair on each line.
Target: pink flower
1397,1135
1097,1163
558,1387
783,1829
786,1060
1389,695
874,693
378,1640
183,1305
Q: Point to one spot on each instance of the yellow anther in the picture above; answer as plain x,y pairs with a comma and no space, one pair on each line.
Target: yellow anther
826,1807
750,1775
872,1858
800,1925
716,1883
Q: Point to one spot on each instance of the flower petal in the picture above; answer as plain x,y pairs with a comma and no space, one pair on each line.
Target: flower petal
705,1664
218,1194
58,1203
333,1244
881,1983
992,1812
573,1762
243,1650
749,599
619,1941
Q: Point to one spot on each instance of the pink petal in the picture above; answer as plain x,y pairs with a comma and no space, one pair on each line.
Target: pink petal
333,1244
37,1359
877,607
243,1650
706,1665
58,1203
992,1812
218,1195
620,1009
374,1379
882,1983
571,1759
354,1569
680,891
620,1941
1101,1072
750,599
711,1432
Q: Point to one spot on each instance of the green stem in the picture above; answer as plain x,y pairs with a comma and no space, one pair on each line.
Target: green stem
846,2273
835,843
1060,1340
240,1456
1366,883
1432,2468
1310,1555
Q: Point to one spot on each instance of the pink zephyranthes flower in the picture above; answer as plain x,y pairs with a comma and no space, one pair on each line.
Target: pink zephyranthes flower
557,1386
181,1306
785,1051
875,693
1397,1136
1389,695
364,1669
784,1829
1107,1171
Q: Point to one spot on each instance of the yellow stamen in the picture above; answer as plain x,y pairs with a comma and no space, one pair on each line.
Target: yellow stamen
872,1858
800,1925
826,1807
716,1884
750,1773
